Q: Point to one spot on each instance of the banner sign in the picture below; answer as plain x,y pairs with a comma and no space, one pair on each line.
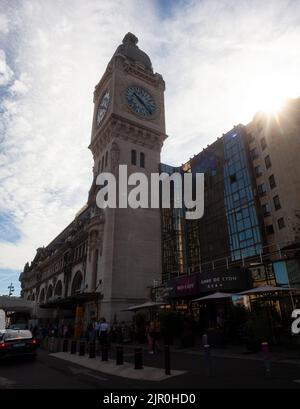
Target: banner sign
229,280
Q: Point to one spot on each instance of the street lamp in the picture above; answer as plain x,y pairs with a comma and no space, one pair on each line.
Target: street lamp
11,289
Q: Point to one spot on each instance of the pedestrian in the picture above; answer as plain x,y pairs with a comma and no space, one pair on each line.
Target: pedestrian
103,331
151,333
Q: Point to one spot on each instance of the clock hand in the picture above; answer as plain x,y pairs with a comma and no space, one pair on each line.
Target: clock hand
142,102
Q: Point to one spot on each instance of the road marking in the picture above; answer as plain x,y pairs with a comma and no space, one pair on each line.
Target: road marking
6,383
79,371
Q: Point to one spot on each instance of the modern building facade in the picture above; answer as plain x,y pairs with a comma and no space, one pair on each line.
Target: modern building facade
251,219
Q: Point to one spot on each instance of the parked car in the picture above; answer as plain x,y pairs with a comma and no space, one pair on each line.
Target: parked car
21,325
17,343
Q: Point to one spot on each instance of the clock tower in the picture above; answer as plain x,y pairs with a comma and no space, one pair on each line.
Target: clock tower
128,129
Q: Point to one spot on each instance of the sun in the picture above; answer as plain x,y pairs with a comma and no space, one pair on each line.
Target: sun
271,103
271,100
267,94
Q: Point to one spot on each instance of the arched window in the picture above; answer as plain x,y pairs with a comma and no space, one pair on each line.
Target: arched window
49,293
142,160
42,296
133,157
58,288
106,159
77,283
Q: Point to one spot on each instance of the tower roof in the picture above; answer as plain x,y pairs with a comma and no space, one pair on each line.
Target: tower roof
129,49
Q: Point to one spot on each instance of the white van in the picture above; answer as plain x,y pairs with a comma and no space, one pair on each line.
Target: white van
2,319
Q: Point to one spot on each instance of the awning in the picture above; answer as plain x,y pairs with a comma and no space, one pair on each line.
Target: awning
267,289
72,301
149,304
214,296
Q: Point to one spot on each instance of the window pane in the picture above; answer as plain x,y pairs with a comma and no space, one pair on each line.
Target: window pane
276,201
142,160
272,181
268,162
133,157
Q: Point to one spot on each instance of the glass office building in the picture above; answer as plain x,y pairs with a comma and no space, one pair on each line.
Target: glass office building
229,231
173,235
242,221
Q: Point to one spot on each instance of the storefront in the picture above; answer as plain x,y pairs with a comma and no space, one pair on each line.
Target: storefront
182,290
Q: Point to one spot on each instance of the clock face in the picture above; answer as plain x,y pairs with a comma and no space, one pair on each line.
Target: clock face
102,108
140,101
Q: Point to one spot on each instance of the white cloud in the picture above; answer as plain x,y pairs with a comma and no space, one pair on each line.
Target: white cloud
6,73
20,86
3,24
216,58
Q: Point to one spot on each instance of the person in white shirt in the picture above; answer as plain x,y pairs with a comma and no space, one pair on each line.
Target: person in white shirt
103,332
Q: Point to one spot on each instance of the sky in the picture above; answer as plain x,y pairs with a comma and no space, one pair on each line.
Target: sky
221,61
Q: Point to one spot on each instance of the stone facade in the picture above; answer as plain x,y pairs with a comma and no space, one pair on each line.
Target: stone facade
113,255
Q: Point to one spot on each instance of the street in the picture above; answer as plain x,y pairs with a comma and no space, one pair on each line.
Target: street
50,372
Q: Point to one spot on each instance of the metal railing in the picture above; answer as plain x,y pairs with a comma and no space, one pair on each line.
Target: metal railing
268,253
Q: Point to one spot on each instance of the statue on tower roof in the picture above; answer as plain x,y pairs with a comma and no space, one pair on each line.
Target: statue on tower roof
129,49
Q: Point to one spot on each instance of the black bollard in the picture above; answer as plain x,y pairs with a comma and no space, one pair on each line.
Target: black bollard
65,345
92,349
138,358
207,358
119,355
73,347
167,360
82,348
104,353
266,351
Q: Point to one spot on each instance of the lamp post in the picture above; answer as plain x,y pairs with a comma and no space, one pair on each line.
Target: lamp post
11,289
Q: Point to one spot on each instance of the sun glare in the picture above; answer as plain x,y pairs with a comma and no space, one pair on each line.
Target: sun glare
266,94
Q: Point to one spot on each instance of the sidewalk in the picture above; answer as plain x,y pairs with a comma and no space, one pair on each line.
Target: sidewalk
277,354
190,367
125,370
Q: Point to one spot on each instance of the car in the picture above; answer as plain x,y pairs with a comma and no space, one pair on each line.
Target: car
17,343
18,326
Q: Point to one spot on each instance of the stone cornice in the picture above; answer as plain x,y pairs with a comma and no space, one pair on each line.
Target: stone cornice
118,127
